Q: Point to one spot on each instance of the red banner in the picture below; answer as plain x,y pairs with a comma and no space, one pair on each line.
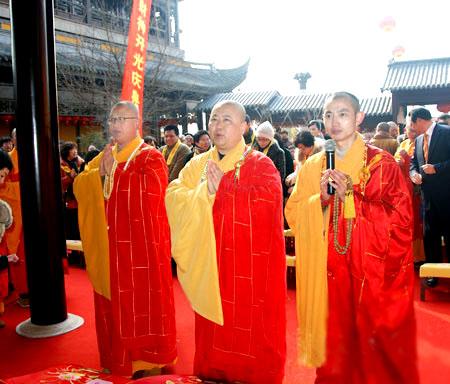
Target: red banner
134,73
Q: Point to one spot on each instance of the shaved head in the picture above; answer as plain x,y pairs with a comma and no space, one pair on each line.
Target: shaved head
345,95
127,105
227,125
124,122
233,104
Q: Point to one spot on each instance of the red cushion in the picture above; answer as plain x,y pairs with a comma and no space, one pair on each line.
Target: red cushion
65,374
169,379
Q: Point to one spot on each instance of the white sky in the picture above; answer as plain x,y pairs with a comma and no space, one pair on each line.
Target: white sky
340,43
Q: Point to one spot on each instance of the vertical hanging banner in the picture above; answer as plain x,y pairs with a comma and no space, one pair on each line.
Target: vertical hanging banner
134,72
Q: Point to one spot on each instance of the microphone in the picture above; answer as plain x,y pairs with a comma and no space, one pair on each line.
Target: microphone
330,147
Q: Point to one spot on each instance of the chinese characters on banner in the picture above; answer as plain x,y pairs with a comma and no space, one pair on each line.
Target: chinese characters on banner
134,72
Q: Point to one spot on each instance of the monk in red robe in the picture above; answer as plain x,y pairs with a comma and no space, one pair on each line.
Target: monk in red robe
127,250
6,219
225,214
354,259
10,192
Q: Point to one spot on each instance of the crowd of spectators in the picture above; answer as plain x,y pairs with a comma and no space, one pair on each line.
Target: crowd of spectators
393,171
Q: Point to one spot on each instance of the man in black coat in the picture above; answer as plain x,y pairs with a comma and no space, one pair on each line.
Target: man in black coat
249,135
430,168
288,160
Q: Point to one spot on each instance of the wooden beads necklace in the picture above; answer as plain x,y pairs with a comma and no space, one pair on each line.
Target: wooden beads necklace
364,177
109,179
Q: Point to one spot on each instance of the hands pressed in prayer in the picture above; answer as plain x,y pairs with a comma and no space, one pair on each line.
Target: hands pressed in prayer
213,177
107,160
337,179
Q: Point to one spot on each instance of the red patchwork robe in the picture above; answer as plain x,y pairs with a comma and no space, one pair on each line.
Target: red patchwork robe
138,323
251,345
371,324
355,310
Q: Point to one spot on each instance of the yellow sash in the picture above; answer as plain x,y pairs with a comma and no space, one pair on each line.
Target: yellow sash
172,152
268,147
66,169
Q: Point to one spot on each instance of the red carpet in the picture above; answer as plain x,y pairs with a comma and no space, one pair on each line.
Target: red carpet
20,356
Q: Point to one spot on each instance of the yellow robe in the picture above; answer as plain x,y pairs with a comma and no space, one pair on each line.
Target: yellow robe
189,210
309,223
88,190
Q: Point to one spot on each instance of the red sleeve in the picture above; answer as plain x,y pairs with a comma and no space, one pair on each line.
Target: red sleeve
382,244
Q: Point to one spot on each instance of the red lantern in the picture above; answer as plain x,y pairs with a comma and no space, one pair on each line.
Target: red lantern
387,24
398,51
444,108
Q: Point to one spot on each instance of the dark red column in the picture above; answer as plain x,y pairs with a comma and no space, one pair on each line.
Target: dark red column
33,55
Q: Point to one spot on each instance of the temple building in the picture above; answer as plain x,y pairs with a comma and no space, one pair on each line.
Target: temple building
418,82
91,40
297,110
407,83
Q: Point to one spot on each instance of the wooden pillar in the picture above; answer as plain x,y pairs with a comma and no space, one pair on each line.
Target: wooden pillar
207,116
88,12
78,133
395,106
200,120
33,56
184,119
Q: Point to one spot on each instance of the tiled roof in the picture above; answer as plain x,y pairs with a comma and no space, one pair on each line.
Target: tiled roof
299,103
204,79
278,104
418,74
247,99
179,75
377,106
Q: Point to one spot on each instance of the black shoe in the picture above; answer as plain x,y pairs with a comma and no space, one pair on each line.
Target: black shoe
431,281
418,264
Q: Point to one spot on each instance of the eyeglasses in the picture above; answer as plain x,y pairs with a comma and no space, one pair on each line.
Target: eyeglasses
119,119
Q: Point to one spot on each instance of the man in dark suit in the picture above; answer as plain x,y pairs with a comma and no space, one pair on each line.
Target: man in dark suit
430,168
